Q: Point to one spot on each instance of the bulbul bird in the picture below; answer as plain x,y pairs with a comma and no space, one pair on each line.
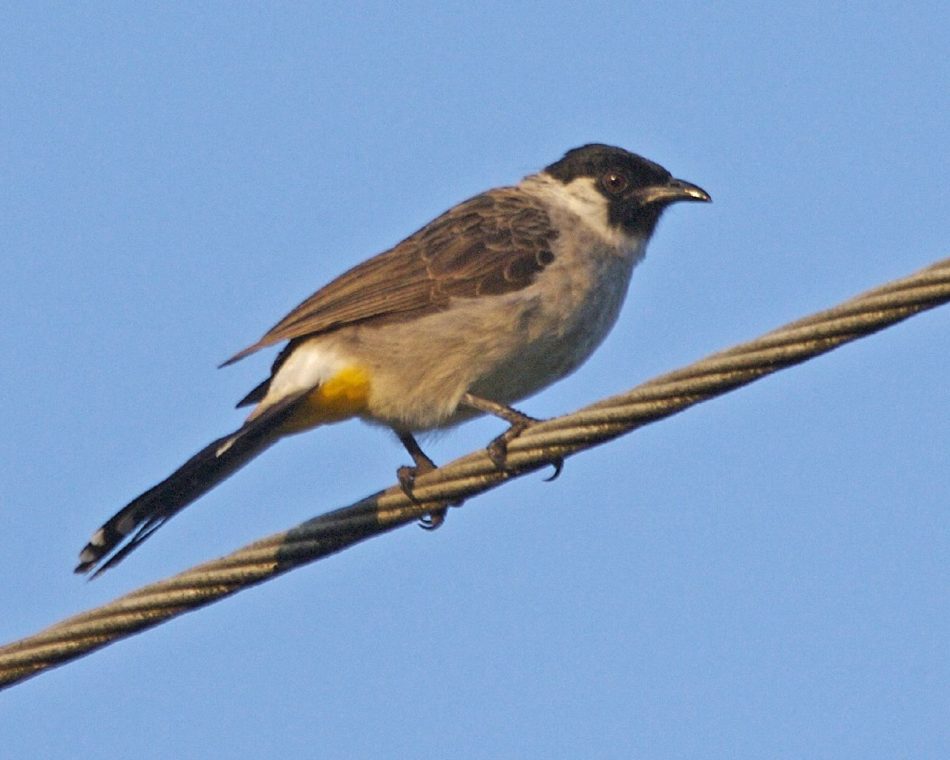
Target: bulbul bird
489,303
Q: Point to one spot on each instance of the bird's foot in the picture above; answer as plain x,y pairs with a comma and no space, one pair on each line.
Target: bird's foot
407,475
518,421
407,478
498,448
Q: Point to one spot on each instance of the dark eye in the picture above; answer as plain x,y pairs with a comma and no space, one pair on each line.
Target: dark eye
615,182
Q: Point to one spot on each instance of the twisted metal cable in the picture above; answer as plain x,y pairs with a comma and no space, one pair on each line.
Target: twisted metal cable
539,445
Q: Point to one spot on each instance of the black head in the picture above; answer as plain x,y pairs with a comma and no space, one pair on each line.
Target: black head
637,190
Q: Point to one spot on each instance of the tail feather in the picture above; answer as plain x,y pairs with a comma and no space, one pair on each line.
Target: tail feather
134,523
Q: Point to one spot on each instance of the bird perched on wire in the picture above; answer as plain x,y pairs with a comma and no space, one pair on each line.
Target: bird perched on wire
487,304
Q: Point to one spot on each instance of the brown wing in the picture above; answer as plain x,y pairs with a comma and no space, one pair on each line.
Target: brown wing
494,243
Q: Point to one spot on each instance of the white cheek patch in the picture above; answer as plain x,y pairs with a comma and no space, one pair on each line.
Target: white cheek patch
581,198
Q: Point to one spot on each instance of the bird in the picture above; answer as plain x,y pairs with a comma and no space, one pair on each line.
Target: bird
497,298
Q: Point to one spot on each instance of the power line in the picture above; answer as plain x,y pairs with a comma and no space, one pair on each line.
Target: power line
475,473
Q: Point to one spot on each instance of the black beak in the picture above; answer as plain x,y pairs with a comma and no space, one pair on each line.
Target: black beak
673,191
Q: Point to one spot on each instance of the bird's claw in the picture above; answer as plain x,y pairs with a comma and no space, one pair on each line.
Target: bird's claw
407,479
498,449
558,465
432,520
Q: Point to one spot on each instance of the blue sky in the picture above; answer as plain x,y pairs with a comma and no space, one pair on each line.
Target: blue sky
765,575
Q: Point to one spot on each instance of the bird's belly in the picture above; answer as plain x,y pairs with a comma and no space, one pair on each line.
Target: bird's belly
554,352
503,349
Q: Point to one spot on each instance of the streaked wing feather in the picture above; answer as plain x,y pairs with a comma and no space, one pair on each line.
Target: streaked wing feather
494,243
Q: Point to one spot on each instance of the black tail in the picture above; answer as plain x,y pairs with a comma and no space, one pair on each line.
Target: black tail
144,515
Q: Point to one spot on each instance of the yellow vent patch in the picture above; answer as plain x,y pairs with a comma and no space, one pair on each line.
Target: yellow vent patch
342,396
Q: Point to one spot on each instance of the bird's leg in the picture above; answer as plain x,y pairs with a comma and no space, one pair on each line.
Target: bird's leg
518,422
407,478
